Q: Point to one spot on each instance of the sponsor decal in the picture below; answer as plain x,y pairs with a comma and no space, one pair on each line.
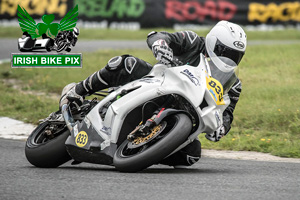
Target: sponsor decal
199,11
191,76
81,139
272,12
112,8
106,130
134,14
192,159
239,44
218,118
114,14
40,7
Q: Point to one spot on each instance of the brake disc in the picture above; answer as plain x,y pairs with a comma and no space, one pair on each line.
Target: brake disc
141,140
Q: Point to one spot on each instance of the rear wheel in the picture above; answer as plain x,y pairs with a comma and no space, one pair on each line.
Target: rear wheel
45,147
163,140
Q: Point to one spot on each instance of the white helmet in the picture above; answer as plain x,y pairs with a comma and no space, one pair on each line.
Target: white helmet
228,40
76,31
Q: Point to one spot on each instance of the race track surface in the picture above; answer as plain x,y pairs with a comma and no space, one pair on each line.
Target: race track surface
208,179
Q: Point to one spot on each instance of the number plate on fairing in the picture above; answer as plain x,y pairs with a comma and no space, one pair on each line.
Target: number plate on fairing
216,90
81,139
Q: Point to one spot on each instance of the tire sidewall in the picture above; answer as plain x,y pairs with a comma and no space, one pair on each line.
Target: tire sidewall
49,154
175,137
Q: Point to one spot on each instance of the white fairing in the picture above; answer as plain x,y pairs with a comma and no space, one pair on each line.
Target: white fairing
38,44
186,81
41,42
22,42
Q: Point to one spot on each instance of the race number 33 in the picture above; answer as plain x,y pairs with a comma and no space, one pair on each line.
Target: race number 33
81,139
216,90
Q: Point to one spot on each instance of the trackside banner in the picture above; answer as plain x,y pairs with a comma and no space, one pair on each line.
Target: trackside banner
135,14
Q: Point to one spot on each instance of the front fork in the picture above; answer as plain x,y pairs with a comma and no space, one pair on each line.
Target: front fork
158,115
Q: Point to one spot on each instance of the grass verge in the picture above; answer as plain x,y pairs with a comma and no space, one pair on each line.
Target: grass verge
110,34
24,107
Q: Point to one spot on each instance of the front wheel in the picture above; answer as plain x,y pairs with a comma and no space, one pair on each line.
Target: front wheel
144,152
61,46
45,147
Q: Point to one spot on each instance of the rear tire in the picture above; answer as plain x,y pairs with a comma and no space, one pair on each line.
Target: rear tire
176,132
44,152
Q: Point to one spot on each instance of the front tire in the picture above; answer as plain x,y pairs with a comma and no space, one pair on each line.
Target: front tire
61,46
45,152
176,132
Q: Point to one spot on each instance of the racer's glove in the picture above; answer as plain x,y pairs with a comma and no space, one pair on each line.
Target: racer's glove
216,135
69,95
162,52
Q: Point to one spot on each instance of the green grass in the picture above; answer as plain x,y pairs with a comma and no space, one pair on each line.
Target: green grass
109,34
93,34
25,107
267,117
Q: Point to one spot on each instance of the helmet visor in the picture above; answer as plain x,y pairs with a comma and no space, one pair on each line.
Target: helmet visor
223,50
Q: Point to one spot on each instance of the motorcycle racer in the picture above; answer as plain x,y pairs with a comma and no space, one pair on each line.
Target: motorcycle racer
224,39
70,36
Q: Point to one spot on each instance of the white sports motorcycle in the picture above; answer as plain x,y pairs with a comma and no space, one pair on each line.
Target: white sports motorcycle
26,43
138,124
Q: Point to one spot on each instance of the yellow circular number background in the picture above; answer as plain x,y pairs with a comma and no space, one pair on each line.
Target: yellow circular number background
81,139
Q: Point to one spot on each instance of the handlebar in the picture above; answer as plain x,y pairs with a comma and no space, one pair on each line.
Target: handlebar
174,62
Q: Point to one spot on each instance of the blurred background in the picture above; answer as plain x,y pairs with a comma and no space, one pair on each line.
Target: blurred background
176,14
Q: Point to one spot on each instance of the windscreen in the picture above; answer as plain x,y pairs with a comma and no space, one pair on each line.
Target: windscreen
224,70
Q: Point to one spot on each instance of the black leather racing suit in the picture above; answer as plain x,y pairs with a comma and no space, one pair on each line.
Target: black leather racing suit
186,46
